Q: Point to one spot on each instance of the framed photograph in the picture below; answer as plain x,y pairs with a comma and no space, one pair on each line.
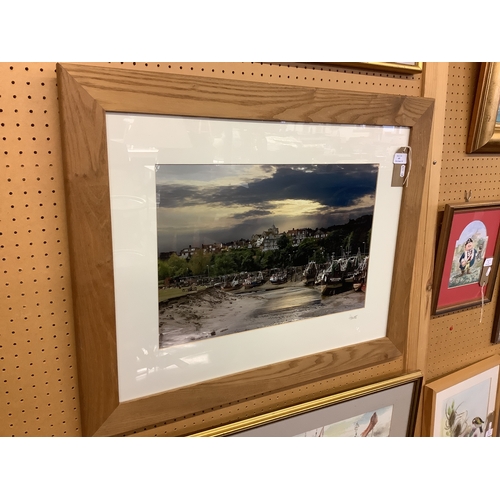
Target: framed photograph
198,209
384,409
484,131
464,403
393,67
467,256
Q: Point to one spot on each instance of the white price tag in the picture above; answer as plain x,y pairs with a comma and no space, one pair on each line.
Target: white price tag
401,166
488,262
400,158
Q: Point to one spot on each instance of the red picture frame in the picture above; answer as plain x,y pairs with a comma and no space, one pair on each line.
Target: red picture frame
467,256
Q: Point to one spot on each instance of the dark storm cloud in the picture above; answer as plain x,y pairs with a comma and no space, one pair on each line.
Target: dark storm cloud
269,168
252,213
330,185
326,218
180,195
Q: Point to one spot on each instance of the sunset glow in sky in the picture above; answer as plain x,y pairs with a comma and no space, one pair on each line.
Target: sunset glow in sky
221,203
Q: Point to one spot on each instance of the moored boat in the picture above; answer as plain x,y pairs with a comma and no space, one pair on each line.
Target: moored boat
331,278
359,278
277,278
235,284
309,274
253,281
330,284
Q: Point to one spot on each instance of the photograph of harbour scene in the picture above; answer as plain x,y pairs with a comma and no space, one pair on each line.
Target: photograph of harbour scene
243,247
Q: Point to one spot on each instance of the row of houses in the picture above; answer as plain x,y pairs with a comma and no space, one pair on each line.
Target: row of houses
266,241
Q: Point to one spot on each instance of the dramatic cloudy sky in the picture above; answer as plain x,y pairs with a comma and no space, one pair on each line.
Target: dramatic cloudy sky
220,203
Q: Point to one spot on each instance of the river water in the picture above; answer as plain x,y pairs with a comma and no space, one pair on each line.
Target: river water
283,299
217,313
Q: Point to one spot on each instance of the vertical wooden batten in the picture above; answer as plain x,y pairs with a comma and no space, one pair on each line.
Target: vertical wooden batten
435,86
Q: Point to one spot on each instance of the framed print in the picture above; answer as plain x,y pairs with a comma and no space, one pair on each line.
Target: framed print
467,256
266,244
384,409
464,403
189,271
484,131
234,240
396,67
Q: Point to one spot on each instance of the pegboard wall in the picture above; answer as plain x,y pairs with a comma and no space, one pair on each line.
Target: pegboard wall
39,393
460,339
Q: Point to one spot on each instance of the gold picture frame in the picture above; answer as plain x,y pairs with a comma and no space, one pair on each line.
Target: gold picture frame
86,94
387,408
409,68
464,403
484,130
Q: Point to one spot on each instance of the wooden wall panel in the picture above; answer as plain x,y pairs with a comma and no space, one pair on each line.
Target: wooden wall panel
39,393
460,339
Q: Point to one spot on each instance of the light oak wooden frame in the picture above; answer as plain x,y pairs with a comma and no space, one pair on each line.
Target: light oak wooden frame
436,386
86,93
414,378
484,131
448,215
